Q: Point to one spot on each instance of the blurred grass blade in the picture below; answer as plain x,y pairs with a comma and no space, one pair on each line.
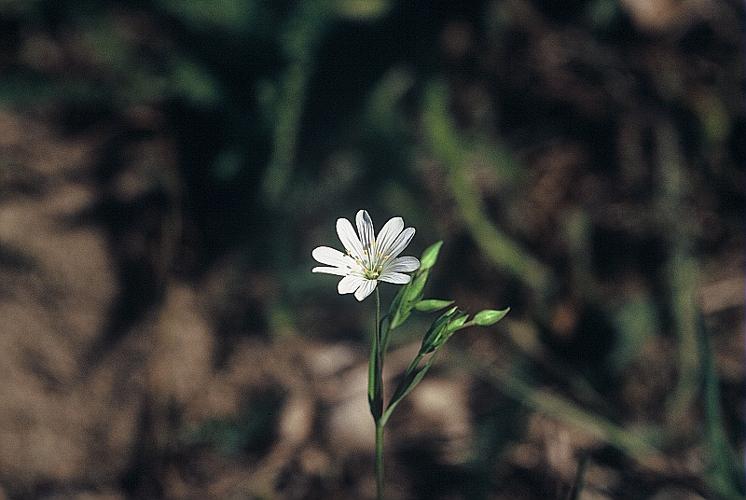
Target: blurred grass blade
301,37
725,474
579,482
447,146
552,405
681,269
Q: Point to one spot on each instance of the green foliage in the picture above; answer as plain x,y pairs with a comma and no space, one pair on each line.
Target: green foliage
405,300
436,336
430,256
725,471
410,295
453,151
226,15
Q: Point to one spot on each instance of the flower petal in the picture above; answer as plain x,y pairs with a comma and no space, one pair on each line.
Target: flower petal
365,229
395,278
401,242
331,257
365,289
403,265
331,270
388,234
349,239
349,284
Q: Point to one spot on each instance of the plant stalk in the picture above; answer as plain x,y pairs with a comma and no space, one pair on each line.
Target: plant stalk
378,403
379,460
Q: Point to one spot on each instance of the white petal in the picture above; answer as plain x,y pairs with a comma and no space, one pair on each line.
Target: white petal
401,242
388,234
365,229
349,239
331,257
395,278
365,289
331,270
403,265
349,284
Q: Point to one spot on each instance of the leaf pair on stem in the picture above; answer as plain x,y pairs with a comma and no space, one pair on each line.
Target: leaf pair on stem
410,298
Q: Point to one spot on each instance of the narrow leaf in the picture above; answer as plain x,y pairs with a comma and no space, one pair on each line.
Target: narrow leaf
433,337
405,387
455,322
414,289
405,300
430,256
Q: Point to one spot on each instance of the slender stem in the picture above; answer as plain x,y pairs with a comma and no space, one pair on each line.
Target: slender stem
378,384
379,347
375,384
379,460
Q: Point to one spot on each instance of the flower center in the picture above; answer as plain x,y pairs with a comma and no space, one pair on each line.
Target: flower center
372,274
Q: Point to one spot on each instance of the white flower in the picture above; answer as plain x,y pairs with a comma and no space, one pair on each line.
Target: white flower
368,259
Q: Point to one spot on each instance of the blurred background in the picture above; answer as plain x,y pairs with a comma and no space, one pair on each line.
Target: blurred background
166,168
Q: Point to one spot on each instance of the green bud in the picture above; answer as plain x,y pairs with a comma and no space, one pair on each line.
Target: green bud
489,317
429,305
430,256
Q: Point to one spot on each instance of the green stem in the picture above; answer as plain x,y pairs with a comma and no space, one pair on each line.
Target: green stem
379,347
379,460
377,390
375,379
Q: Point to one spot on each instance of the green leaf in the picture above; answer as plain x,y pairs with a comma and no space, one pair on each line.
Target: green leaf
409,296
489,317
405,300
434,336
395,309
457,323
430,305
430,256
410,384
415,287
414,375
